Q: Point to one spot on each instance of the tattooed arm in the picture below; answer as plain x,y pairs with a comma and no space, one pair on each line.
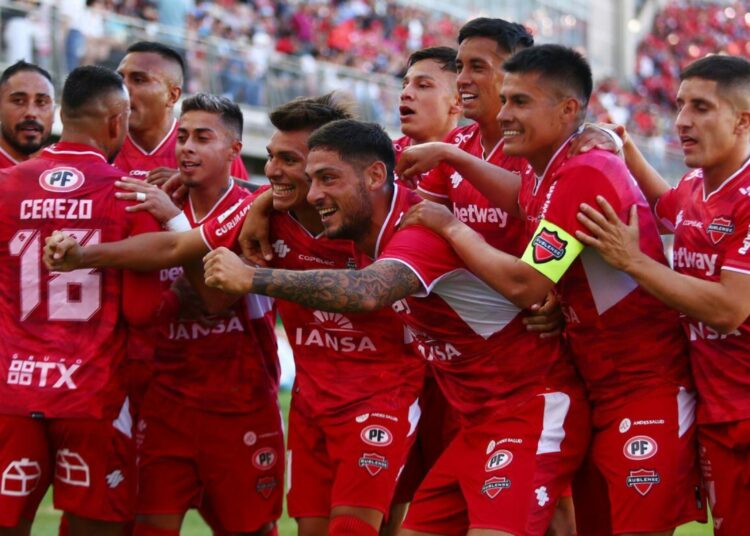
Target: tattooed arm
369,289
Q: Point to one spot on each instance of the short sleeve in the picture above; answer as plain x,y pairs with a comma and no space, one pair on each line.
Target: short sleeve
737,257
436,182
667,207
224,229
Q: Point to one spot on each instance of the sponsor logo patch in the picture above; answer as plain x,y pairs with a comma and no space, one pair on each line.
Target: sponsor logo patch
376,435
719,228
265,486
249,439
498,460
642,480
624,425
494,485
373,463
548,246
264,458
61,179
640,448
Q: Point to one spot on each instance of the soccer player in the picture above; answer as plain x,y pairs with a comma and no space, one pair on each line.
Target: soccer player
639,475
64,415
709,213
27,107
154,76
490,477
210,379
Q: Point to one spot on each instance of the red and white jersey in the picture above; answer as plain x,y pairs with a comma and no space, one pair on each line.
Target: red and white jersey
480,352
221,368
400,145
711,234
6,160
471,207
622,338
63,335
345,362
137,162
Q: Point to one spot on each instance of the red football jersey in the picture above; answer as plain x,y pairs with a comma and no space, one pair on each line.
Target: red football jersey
471,207
622,338
221,368
62,333
711,234
137,162
480,352
6,160
345,362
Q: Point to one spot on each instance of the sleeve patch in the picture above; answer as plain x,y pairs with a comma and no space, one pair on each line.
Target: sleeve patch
552,250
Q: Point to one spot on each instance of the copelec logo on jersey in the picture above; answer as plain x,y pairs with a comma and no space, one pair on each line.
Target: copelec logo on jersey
548,246
61,179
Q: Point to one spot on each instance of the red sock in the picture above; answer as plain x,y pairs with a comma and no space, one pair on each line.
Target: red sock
143,529
350,526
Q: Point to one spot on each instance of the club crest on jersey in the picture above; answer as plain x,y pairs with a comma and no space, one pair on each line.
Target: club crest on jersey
640,448
265,486
61,179
378,436
373,463
494,485
498,460
264,458
548,246
642,480
719,228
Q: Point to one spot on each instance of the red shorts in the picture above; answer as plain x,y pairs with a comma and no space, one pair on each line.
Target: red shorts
352,462
438,425
725,459
231,463
641,472
91,464
505,473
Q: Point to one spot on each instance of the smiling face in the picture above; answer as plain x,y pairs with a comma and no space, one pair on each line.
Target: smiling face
480,77
26,111
339,194
534,119
205,148
285,169
429,103
707,124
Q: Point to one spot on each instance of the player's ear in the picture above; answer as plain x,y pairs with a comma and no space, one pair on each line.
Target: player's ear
743,122
456,106
115,125
376,175
571,108
175,92
235,149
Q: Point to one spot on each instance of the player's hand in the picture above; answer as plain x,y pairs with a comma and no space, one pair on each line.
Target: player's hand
149,198
617,242
432,215
254,237
176,190
159,176
224,270
419,159
62,253
546,318
593,137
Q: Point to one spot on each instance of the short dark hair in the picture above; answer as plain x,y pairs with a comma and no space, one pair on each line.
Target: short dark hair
23,66
726,71
310,113
558,64
445,56
87,83
356,142
509,36
227,110
162,50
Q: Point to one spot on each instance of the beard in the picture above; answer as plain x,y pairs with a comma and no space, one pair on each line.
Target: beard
355,225
30,147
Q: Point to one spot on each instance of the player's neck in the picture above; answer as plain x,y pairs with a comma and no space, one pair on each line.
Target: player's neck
150,138
715,176
439,136
309,218
12,152
203,197
381,207
491,134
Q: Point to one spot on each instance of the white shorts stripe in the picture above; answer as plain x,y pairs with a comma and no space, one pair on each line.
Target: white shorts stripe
556,407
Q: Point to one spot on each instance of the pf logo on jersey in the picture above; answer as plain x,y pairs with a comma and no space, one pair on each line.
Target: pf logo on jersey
719,228
61,179
376,435
640,448
264,458
498,460
548,246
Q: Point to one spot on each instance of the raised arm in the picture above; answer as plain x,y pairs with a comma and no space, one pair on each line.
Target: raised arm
369,289
144,252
